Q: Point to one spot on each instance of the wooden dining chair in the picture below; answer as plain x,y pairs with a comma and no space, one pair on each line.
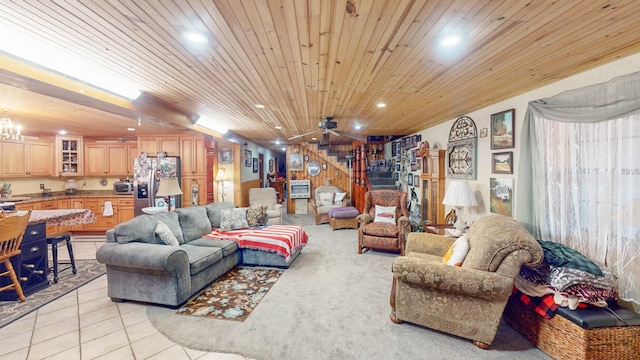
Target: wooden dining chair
12,230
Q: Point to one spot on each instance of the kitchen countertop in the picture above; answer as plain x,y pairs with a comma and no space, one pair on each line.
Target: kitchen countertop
61,195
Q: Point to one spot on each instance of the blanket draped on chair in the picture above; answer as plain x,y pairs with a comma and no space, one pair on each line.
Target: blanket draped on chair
281,239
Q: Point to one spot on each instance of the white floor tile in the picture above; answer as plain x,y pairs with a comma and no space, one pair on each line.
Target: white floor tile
134,317
95,305
9,344
54,346
100,329
71,354
59,328
98,315
176,352
150,345
123,353
69,313
70,299
194,354
104,344
20,326
20,354
140,330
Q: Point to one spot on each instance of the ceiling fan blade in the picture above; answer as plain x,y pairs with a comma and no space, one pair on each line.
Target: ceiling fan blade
336,133
355,137
302,135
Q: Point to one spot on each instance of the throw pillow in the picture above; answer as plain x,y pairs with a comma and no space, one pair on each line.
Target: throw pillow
165,235
385,214
233,219
326,199
457,252
561,255
339,197
256,215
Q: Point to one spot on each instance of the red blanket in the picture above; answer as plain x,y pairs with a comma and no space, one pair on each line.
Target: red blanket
282,239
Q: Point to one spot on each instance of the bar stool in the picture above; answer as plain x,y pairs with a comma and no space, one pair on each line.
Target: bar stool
53,240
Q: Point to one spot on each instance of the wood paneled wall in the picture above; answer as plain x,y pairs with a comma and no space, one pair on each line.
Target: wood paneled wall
336,174
244,192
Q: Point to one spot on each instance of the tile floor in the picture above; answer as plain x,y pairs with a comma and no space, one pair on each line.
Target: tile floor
86,324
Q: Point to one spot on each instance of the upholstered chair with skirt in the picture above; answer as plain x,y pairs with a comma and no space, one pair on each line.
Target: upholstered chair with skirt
468,297
384,222
325,198
267,197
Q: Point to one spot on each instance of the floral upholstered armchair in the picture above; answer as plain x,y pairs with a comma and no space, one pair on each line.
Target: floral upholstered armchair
466,300
384,223
325,198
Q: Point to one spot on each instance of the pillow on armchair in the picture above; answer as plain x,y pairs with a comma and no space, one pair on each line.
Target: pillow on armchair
326,199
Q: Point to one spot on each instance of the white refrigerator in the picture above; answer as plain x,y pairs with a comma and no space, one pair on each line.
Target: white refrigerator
147,171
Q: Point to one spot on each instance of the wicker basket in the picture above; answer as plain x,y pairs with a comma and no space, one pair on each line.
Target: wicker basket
344,223
562,339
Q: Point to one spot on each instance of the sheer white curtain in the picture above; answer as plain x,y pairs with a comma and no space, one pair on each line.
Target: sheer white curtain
583,156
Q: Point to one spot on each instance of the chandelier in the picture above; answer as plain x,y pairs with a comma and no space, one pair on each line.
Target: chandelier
8,131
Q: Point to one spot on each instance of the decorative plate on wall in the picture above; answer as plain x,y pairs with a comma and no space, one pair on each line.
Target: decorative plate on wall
313,168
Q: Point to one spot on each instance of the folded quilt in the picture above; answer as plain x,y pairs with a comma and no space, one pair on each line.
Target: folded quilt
284,240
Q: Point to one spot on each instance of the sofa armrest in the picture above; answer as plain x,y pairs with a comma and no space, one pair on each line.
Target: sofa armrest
143,256
428,243
452,279
277,206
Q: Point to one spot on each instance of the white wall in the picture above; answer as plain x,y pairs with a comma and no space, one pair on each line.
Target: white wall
440,133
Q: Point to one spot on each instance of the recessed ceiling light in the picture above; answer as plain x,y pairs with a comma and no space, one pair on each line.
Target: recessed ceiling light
131,129
278,127
260,106
358,127
277,142
381,105
451,40
195,37
62,132
314,138
283,148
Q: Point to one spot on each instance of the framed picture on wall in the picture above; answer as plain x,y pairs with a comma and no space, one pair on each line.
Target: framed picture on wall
295,162
226,156
271,167
501,196
247,158
410,180
502,162
502,129
255,165
416,180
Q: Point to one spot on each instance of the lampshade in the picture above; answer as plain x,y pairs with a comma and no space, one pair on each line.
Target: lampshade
459,194
168,187
220,175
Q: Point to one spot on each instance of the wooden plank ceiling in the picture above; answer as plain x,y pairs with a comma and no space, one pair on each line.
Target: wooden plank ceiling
304,60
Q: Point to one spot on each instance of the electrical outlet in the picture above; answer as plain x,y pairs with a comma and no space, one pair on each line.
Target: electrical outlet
41,186
84,183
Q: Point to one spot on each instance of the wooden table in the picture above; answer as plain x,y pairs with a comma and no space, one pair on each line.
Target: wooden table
438,229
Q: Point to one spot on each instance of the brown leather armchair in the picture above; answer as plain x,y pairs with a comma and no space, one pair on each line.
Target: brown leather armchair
379,235
467,301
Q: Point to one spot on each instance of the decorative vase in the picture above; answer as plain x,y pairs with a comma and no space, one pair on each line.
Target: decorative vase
71,187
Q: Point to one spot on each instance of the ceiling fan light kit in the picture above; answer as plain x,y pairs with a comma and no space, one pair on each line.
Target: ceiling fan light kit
326,126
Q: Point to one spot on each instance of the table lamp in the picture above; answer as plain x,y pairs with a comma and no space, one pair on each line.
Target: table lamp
168,187
459,195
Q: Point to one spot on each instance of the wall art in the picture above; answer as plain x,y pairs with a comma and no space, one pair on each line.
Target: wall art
502,162
502,129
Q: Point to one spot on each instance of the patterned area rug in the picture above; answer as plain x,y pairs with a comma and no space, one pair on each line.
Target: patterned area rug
234,295
88,270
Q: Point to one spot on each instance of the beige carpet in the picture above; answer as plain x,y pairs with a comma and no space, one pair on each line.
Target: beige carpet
331,304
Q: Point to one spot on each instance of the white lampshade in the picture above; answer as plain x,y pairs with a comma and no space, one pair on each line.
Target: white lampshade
168,187
459,194
220,175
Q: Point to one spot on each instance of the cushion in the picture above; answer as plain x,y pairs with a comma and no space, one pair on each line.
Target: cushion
233,219
385,214
339,197
457,252
256,215
138,229
558,254
343,212
326,199
213,211
194,222
164,234
171,220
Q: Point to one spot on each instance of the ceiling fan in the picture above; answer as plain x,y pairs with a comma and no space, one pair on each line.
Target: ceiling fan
327,126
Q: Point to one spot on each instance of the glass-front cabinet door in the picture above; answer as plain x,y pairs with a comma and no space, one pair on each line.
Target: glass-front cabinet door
69,156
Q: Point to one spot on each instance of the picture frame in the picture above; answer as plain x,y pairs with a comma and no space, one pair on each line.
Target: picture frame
395,176
324,166
296,162
407,143
410,180
255,165
502,162
483,132
306,158
414,167
501,196
414,141
397,167
226,156
503,129
461,159
247,158
271,166
393,149
416,180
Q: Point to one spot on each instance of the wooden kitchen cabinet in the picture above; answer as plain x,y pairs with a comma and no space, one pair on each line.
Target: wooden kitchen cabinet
193,156
108,159
168,144
69,155
187,190
125,209
103,223
28,158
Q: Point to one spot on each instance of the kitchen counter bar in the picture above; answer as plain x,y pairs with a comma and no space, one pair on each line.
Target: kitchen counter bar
61,195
